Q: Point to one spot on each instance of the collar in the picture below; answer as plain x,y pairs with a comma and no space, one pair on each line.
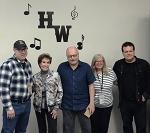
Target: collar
49,73
79,64
14,57
130,62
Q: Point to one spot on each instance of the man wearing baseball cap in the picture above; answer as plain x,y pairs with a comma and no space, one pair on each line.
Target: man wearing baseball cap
16,90
20,44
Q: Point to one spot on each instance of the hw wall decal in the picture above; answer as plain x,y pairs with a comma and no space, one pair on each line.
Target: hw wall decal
61,31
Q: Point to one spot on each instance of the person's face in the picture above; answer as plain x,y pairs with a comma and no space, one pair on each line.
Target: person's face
99,63
44,65
128,53
72,56
21,54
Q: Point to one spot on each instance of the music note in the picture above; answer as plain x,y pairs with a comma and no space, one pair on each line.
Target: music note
82,37
28,11
36,44
80,44
74,14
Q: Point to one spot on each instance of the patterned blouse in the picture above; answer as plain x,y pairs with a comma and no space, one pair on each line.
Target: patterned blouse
51,86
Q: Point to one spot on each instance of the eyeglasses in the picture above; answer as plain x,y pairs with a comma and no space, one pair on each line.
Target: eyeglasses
99,61
70,56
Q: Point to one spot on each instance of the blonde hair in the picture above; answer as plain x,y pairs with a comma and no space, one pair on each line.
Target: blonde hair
95,58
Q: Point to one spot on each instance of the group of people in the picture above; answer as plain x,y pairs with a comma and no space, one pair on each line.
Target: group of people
78,89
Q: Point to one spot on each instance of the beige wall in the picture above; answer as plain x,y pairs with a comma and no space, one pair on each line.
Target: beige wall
106,24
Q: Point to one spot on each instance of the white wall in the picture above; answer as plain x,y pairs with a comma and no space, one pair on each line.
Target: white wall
105,24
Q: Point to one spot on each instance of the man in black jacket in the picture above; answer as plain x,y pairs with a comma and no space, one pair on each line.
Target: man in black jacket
133,76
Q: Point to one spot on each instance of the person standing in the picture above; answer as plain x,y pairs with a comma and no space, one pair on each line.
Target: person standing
78,91
16,90
105,80
48,93
133,76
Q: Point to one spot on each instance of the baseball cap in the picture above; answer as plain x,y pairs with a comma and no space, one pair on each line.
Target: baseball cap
20,45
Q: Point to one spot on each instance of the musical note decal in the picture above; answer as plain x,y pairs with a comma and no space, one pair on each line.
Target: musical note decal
80,44
36,44
74,14
28,11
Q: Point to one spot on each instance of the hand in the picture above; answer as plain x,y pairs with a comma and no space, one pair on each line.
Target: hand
54,114
91,108
143,99
10,114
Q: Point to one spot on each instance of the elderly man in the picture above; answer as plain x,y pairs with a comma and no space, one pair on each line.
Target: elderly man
15,90
78,91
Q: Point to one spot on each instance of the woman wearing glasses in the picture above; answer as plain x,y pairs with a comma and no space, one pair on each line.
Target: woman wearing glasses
105,79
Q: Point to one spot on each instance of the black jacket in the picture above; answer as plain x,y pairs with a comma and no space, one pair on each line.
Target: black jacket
142,77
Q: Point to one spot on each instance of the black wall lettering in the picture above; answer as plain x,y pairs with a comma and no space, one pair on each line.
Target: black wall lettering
61,32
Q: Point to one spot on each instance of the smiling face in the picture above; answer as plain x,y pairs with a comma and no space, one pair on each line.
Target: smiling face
129,54
44,65
99,63
72,56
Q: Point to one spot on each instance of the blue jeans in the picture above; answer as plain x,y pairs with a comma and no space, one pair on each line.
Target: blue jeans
20,122
69,121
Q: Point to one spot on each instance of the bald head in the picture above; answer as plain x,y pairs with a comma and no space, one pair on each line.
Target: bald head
72,55
71,49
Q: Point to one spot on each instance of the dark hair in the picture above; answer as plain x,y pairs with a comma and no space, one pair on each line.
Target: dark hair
127,44
44,55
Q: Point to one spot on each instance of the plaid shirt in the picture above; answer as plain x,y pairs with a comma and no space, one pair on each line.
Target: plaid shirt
15,81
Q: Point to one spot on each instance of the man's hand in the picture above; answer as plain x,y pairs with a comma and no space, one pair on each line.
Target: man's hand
91,108
143,99
10,114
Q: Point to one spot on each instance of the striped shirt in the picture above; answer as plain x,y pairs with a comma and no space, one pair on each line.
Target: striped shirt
15,81
103,89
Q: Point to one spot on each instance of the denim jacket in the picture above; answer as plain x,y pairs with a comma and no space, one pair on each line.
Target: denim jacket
53,87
